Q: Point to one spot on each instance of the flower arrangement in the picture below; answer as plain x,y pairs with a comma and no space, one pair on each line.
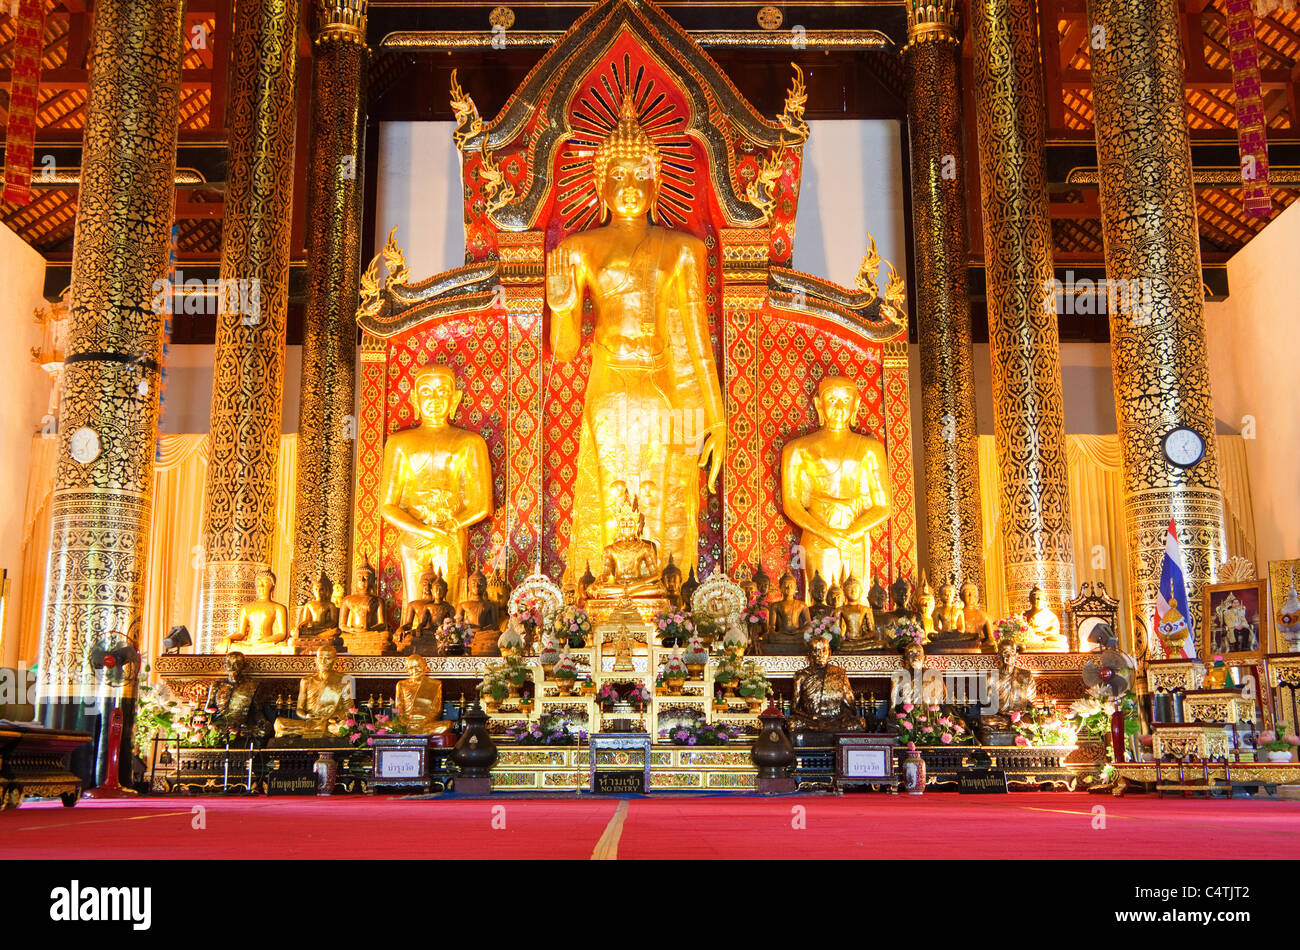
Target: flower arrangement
928,725
904,632
494,686
826,627
455,634
511,642
675,668
527,612
697,654
550,655
638,695
363,728
608,695
1042,726
572,624
703,734
1091,715
728,671
707,627
675,626
566,668
633,693
1012,628
735,641
552,730
755,611
1269,741
753,682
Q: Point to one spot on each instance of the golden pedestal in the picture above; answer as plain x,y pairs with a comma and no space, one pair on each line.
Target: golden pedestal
1171,675
1218,705
1206,741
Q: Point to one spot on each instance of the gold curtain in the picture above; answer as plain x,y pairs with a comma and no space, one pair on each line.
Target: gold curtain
171,594
1095,472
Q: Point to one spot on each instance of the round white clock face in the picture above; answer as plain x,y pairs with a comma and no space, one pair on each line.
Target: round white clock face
84,445
1184,447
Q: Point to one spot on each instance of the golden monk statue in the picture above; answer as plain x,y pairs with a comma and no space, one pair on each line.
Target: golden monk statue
631,561
230,701
653,405
323,698
1044,625
318,617
437,481
418,700
1009,689
832,484
263,625
823,697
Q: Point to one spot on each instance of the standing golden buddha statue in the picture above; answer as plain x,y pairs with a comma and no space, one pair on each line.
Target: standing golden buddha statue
653,405
832,484
437,481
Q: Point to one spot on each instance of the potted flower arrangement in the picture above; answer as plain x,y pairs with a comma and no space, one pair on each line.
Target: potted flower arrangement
754,616
735,641
675,675
549,656
361,729
528,617
1092,716
552,730
707,628
754,687
1277,748
1042,726
494,688
919,725
1012,628
639,696
719,699
526,698
826,628
607,696
703,734
455,636
585,686
696,656
511,642
565,674
675,626
727,675
904,632
572,624
516,674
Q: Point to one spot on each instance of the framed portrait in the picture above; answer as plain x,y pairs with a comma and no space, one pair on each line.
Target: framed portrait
1235,619
1281,575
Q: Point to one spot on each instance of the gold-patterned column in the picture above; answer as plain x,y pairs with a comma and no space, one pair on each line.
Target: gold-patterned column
950,440
1024,343
248,375
102,500
327,427
1153,264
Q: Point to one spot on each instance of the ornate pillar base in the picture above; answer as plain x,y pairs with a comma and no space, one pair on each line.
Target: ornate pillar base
227,586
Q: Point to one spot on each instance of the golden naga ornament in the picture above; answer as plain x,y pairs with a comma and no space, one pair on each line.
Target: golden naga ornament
437,481
832,483
652,411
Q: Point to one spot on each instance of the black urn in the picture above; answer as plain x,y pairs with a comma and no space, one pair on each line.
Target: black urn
475,754
773,753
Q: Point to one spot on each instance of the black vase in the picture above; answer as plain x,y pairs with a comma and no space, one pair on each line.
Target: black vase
773,753
475,753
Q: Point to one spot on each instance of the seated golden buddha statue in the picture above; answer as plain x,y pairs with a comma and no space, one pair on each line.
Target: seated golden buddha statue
418,700
361,614
436,482
1044,626
950,632
263,624
823,697
878,601
790,614
976,621
631,561
422,618
817,591
900,595
923,605
652,405
481,614
317,617
323,698
859,623
230,701
1008,689
832,484
672,582
763,590
582,589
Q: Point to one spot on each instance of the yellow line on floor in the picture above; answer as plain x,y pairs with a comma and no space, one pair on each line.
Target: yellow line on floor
100,821
607,846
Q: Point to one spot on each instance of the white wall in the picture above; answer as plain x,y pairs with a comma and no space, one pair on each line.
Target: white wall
1251,338
24,396
187,401
420,193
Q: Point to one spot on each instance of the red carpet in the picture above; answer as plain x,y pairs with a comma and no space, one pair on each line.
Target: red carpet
1025,825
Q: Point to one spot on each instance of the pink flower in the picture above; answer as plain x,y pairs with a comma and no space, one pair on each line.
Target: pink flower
911,747
1267,736
352,723
1015,717
934,708
927,729
1021,740
370,741
907,707
382,732
1291,740
946,737
906,724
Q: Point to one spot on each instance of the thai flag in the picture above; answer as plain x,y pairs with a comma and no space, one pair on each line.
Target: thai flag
1173,589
